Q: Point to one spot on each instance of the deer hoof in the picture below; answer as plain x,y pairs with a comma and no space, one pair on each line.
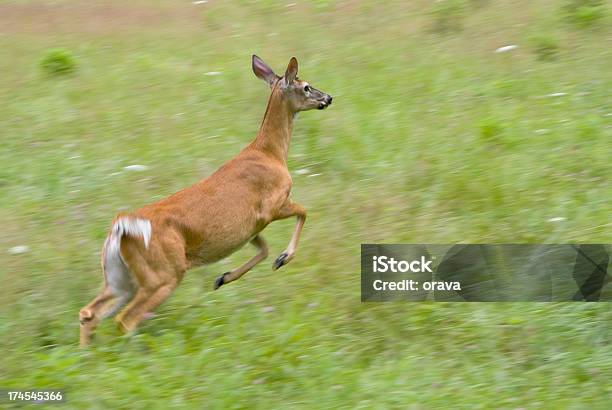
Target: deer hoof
280,261
220,281
123,327
85,316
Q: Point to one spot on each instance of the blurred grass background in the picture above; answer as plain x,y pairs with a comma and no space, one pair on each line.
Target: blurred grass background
433,138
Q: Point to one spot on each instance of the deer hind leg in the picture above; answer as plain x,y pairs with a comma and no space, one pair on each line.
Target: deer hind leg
118,290
289,209
89,316
146,299
259,242
103,306
156,278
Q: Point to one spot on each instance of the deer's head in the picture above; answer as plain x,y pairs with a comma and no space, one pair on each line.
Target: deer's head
298,94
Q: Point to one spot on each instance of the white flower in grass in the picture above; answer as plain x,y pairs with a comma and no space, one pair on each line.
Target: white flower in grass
136,167
507,48
557,219
18,250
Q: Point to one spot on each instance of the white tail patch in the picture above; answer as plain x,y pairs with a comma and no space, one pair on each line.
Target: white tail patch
130,226
117,273
127,226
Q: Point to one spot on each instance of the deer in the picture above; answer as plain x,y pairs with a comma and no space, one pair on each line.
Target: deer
147,252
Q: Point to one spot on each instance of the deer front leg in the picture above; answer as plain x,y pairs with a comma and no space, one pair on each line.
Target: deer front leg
290,209
259,242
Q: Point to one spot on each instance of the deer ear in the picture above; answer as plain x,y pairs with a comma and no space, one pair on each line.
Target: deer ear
263,71
292,70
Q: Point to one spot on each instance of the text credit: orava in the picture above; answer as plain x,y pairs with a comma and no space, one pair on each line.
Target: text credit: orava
382,264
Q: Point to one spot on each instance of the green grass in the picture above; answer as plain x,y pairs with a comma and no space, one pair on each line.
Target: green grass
432,138
57,61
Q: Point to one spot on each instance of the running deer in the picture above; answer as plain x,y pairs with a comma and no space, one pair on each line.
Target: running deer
147,252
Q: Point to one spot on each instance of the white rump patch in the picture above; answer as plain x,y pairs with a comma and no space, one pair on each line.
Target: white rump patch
117,274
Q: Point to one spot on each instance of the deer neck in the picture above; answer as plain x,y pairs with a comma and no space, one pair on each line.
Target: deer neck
275,131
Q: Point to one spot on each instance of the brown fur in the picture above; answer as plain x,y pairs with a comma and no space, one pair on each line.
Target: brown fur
218,215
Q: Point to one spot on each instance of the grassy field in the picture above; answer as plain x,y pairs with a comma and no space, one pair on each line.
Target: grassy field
433,137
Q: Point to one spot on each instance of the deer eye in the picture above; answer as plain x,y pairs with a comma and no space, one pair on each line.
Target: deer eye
307,88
